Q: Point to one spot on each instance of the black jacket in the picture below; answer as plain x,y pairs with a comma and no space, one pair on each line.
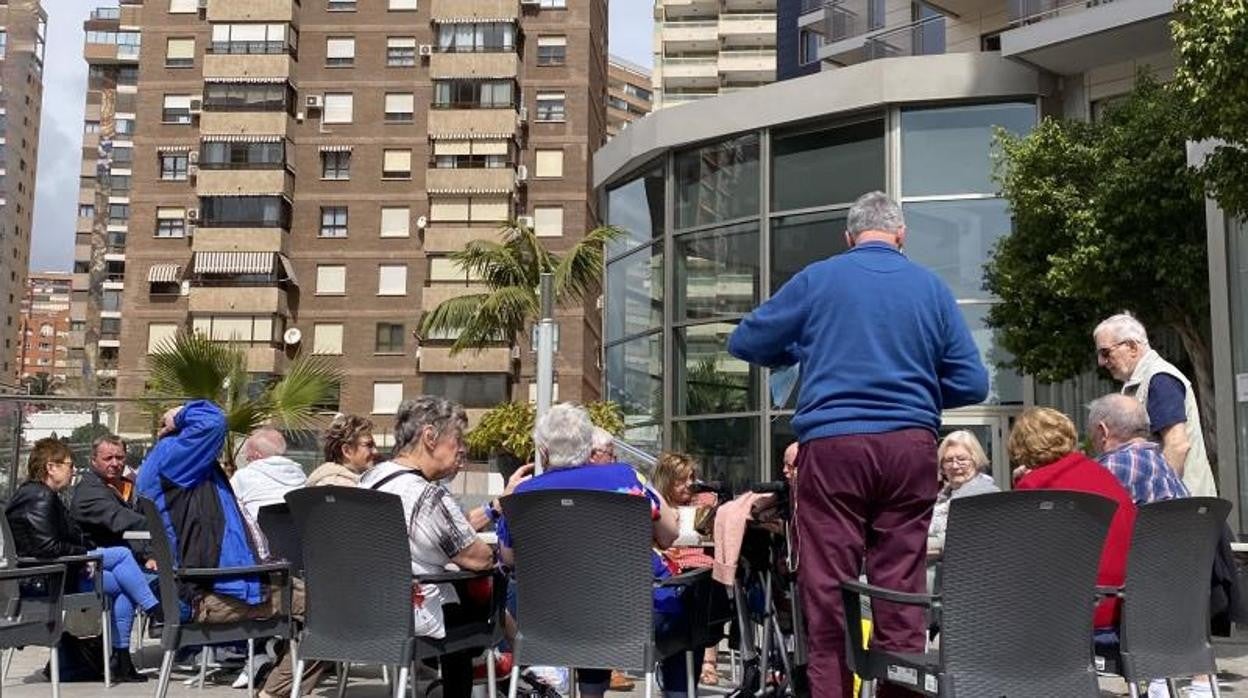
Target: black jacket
101,512
41,524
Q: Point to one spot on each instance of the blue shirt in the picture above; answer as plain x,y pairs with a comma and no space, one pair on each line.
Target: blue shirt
1144,472
881,341
1166,402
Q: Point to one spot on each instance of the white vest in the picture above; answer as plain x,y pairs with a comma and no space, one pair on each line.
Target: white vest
1197,474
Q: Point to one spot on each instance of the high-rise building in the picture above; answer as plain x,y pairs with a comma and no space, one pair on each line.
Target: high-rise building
629,95
703,48
22,27
797,49
302,170
44,348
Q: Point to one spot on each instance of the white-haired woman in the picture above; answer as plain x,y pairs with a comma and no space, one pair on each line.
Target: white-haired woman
962,469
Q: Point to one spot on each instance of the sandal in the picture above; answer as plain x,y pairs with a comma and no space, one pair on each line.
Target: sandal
710,675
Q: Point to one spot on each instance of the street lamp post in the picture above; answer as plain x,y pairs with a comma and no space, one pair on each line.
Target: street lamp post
545,354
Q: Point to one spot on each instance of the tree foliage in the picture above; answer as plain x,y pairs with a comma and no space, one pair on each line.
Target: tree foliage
87,433
1211,77
509,427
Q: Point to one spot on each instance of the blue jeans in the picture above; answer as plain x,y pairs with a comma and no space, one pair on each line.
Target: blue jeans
127,588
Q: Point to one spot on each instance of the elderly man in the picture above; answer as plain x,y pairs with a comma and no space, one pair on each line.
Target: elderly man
1119,430
1122,349
883,349
789,468
269,474
104,502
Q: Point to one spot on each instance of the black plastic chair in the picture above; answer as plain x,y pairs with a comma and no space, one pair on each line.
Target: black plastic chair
177,633
1164,632
1016,601
584,590
31,613
74,604
279,528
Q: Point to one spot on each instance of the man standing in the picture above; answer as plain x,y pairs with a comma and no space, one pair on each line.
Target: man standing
104,502
268,475
1122,349
884,349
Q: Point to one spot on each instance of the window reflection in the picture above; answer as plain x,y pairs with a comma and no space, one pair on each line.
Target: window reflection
717,182
635,378
635,289
717,272
726,448
955,240
708,379
821,166
1005,385
637,208
798,241
946,151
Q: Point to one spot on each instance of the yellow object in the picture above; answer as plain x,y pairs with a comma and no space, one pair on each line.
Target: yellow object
866,638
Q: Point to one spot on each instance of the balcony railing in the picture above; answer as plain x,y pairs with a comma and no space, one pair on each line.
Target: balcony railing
1023,12
106,13
921,38
250,48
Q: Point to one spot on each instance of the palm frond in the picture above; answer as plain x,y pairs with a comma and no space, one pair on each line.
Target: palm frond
579,270
190,365
493,263
308,382
451,315
501,315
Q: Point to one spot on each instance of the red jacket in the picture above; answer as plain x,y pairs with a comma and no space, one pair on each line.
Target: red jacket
1079,473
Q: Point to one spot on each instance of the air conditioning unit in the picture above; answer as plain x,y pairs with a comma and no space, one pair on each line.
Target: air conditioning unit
192,157
190,230
515,353
192,215
426,49
197,106
192,171
314,102
523,114
526,221
522,173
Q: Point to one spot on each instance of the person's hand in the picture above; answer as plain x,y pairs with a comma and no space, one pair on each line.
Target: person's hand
522,473
168,421
1020,472
150,565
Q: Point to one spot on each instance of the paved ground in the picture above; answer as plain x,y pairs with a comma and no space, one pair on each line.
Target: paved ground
23,680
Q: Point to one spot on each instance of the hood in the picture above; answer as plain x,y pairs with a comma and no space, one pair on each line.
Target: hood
330,469
279,468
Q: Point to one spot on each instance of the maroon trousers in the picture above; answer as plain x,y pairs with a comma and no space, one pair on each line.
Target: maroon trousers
859,497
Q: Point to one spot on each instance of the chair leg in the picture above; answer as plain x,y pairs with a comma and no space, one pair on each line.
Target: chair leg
297,680
203,666
166,668
106,626
691,686
514,682
650,682
1213,685
491,680
574,687
866,690
400,684
251,668
385,674
55,661
344,668
6,663
1173,687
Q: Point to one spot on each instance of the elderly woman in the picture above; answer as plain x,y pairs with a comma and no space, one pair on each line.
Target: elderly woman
42,528
1044,444
962,464
564,435
349,452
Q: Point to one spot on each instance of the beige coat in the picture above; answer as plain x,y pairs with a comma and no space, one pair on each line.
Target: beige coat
333,474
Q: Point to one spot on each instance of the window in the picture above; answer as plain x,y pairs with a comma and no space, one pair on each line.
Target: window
340,51
180,53
260,155
86,211
476,37
173,166
550,106
333,221
548,221
170,222
471,390
244,212
159,333
123,156
553,4
123,127
338,108
4,43
483,209
183,6
392,280
340,5
331,279
336,164
250,329
402,4
548,163
90,127
177,110
327,338
389,338
118,214
254,96
396,164
638,92
401,51
552,50
395,221
251,38
400,107
473,94
819,166
450,154
807,47
386,397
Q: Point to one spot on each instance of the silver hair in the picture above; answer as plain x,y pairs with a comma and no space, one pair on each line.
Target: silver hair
109,438
966,439
431,411
602,439
565,434
264,442
1124,416
1123,327
874,211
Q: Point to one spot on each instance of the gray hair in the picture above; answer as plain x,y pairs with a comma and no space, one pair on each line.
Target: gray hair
565,434
874,211
109,438
431,411
264,442
1123,327
1124,416
966,439
602,439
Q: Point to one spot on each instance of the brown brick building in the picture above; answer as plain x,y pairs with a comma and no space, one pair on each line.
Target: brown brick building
44,347
22,25
310,164
628,94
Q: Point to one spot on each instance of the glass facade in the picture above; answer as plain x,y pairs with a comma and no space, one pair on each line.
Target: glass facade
721,226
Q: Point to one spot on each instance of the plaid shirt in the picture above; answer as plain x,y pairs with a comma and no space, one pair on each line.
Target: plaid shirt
1143,470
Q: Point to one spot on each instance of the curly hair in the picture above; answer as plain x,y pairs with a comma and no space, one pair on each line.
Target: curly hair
343,433
1041,436
672,469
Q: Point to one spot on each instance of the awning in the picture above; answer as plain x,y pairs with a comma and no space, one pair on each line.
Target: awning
241,138
234,262
164,273
336,148
468,190
247,79
288,269
471,20
173,148
467,135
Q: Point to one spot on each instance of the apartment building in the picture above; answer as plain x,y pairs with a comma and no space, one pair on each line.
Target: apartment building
302,170
45,326
629,96
22,30
703,48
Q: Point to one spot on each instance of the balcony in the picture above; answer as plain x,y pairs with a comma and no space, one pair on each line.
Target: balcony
747,30
99,54
244,123
433,296
680,37
490,360
474,65
1069,38
690,8
81,282
238,240
245,182
480,180
473,123
701,71
441,238
235,299
217,65
442,10
924,37
252,11
748,66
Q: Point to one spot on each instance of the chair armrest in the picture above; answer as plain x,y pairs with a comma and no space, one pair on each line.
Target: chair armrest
30,571
684,578
214,572
1110,590
62,560
451,576
858,588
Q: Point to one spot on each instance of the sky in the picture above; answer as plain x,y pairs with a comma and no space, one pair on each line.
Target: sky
64,90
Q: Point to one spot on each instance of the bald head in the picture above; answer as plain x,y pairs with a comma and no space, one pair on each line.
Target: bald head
263,443
1116,419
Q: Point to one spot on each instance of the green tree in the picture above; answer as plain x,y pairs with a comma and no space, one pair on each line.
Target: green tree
42,384
1107,217
509,427
1211,77
511,270
189,365
87,433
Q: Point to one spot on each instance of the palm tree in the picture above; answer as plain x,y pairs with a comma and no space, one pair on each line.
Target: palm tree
42,384
189,365
511,271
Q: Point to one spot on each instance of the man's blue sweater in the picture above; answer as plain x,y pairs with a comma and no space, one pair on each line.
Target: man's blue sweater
880,339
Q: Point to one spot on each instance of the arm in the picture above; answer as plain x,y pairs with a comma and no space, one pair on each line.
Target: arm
1174,445
196,436
92,505
666,525
963,377
767,335
1168,418
483,516
477,556
43,539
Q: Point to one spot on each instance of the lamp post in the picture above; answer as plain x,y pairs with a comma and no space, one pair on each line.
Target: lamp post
545,354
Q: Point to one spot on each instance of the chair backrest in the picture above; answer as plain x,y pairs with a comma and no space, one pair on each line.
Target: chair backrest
1018,586
1165,611
584,581
30,606
8,550
161,551
278,527
358,575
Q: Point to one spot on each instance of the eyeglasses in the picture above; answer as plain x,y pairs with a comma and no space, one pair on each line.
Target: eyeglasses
957,460
1104,352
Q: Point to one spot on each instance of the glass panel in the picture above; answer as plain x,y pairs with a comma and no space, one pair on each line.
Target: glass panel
717,272
727,448
782,435
635,378
647,437
708,379
1005,384
717,182
634,293
637,208
955,238
947,151
797,241
829,166
1237,270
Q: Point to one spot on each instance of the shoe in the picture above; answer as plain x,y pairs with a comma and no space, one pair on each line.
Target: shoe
620,682
257,666
123,668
